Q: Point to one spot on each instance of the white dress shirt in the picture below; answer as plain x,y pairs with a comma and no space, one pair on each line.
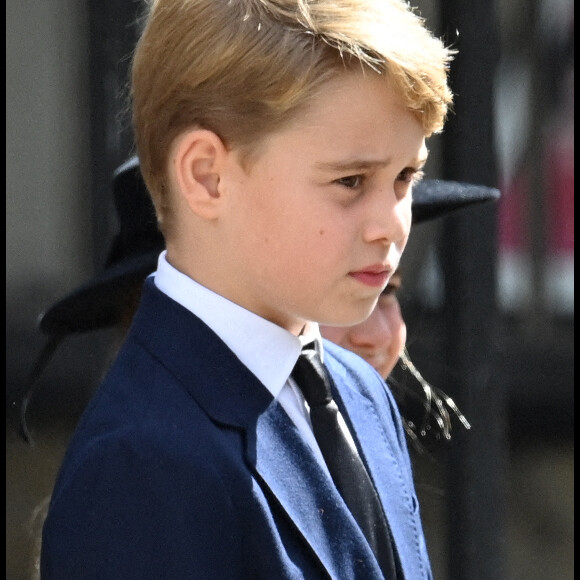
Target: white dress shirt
268,350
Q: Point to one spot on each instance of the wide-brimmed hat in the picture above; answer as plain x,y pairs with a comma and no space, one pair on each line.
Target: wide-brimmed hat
101,302
433,198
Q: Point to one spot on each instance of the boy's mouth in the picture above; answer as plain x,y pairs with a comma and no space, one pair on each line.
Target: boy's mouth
374,276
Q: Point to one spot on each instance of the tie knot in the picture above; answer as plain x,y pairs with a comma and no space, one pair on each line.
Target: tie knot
312,378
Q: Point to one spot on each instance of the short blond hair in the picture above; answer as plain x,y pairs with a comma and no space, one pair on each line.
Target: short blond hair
243,68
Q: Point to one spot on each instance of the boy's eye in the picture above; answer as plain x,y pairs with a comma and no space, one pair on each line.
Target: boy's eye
410,175
351,181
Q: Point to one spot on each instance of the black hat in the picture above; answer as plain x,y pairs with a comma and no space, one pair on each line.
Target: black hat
101,302
433,198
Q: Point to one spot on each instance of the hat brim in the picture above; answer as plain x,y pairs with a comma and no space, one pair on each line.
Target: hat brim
103,301
433,198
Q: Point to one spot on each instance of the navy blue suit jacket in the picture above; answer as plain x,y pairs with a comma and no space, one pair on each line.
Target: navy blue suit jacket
183,466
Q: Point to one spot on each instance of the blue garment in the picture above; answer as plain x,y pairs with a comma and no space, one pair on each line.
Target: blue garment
183,466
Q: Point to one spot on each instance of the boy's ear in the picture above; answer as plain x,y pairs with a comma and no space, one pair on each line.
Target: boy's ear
195,162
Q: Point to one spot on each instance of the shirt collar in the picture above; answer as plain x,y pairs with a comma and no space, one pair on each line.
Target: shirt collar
268,350
311,333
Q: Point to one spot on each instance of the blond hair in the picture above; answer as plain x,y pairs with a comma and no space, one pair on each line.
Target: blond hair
243,68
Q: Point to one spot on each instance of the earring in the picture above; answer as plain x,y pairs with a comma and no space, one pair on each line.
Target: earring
425,409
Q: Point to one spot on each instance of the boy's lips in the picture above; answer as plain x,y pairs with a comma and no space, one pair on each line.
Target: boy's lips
375,276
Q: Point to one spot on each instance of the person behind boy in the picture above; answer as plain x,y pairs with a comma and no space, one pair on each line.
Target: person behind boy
426,410
279,142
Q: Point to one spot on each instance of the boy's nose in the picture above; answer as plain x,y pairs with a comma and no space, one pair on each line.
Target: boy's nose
389,219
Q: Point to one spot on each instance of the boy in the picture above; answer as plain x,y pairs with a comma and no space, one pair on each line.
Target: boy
279,142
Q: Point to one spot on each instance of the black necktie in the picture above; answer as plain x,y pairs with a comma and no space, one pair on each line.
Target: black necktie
342,459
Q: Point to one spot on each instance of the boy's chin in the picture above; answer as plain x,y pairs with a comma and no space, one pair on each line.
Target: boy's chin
345,321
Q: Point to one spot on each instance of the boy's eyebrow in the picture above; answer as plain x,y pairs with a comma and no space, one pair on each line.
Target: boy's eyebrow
352,164
362,164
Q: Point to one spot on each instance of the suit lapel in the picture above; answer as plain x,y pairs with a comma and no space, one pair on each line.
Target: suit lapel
282,461
287,466
382,454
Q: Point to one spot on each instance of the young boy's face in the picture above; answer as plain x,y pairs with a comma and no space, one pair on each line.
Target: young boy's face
317,224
